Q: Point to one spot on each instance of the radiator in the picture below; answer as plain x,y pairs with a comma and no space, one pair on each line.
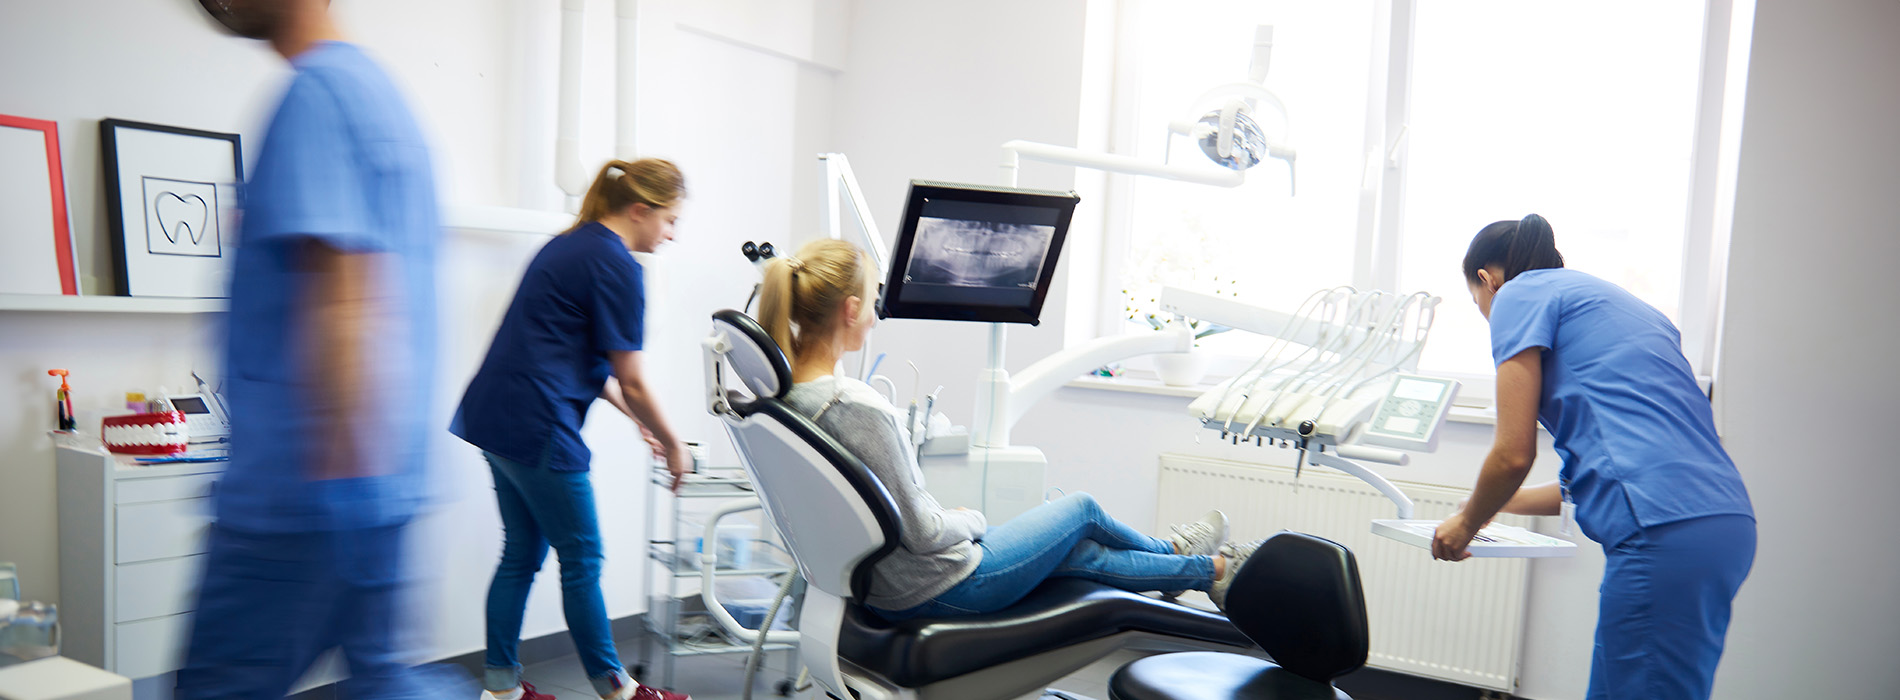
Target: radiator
1457,622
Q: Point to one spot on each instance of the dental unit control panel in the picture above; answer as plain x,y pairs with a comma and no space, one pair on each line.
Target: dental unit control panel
1409,417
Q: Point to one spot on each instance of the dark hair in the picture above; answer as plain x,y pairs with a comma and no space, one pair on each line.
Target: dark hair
1516,246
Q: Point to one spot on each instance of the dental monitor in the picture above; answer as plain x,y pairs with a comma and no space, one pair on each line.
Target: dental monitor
976,253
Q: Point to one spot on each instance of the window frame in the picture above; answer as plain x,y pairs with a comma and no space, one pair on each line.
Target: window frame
1378,247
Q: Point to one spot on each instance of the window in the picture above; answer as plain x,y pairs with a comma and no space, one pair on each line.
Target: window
1414,130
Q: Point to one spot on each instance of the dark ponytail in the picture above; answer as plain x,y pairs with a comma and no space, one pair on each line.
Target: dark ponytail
1516,246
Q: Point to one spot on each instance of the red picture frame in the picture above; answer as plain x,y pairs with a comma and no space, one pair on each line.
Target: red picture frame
62,234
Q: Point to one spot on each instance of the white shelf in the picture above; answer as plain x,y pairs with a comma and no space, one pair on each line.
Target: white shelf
90,303
466,217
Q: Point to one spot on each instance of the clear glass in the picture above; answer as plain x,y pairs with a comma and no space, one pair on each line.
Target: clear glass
1581,112
1257,241
31,632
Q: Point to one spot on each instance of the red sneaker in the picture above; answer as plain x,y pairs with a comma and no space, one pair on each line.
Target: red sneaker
647,692
527,693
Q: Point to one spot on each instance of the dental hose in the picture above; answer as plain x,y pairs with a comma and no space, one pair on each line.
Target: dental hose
765,629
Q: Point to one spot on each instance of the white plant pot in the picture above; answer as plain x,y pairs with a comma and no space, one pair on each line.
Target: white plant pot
1181,368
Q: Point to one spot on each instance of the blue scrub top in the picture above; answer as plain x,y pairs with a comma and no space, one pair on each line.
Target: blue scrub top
343,164
1636,433
582,298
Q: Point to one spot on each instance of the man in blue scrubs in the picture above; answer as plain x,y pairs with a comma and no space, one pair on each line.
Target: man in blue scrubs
330,334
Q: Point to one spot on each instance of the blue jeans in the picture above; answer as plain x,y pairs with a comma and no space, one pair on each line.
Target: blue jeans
271,602
542,507
1663,609
1071,537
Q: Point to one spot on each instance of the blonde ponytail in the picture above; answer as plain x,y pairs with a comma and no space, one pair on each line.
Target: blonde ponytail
801,295
651,181
775,306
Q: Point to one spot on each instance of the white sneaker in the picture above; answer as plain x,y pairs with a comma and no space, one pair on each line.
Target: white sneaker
1236,555
1202,537
1199,538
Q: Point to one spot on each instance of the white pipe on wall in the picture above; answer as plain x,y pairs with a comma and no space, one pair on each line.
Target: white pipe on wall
626,43
569,174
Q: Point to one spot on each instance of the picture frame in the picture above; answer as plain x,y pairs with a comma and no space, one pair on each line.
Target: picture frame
172,196
34,229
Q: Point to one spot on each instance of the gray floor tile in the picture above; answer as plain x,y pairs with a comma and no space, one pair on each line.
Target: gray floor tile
564,673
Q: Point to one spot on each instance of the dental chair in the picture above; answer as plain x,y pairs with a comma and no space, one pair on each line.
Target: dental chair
838,521
1299,597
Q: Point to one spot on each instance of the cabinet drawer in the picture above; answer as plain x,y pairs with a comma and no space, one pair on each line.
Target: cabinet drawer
155,588
149,647
163,489
161,530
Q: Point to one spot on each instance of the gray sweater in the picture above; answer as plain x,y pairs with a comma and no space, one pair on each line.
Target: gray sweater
937,551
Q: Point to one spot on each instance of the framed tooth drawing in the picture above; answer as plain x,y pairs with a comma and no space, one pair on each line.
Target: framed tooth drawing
172,202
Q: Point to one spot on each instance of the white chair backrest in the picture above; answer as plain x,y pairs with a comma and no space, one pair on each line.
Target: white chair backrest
833,514
817,511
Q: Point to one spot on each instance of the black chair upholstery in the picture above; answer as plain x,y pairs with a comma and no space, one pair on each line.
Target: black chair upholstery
1299,598
1207,675
1059,613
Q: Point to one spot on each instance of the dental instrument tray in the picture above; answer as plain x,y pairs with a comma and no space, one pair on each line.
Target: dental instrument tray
1495,540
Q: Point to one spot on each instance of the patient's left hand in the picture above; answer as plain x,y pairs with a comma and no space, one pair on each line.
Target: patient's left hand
1450,541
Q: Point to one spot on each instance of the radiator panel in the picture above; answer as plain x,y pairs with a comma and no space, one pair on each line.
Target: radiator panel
1459,622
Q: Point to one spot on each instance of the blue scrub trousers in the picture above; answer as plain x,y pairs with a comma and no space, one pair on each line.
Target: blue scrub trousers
541,507
271,602
1070,537
1664,608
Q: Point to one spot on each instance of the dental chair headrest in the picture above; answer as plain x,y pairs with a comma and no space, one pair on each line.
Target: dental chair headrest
755,356
1299,598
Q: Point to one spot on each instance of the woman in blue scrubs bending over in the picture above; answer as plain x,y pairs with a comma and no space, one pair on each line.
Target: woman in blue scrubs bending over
1642,465
573,334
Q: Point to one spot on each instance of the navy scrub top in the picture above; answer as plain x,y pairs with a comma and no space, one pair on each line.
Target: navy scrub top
1635,431
582,298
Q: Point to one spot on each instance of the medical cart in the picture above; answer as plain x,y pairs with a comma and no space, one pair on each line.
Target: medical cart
676,617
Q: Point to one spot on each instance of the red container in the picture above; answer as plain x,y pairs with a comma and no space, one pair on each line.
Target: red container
146,433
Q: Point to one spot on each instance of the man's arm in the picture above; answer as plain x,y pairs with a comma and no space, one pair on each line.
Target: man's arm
341,302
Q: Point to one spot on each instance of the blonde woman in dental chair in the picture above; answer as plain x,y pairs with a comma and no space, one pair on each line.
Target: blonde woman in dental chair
818,305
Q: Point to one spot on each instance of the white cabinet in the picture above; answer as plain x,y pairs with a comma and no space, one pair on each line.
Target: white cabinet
131,550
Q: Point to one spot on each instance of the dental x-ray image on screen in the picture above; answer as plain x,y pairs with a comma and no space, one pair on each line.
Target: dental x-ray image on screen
965,253
976,253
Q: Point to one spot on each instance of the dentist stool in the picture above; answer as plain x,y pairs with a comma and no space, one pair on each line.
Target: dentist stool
1299,598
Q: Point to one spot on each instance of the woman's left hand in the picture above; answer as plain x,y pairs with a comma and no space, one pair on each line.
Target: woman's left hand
659,448
1454,535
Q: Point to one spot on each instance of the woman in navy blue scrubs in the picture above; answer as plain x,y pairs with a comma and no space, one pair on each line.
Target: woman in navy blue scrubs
573,334
1642,465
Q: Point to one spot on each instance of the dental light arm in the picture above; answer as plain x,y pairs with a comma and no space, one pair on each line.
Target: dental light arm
840,182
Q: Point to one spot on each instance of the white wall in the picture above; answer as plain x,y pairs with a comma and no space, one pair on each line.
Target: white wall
1806,378
930,90
740,107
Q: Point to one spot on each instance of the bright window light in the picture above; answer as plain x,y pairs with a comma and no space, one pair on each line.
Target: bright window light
1257,240
1581,112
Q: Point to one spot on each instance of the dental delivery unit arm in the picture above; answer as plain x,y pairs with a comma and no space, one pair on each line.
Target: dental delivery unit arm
1335,383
